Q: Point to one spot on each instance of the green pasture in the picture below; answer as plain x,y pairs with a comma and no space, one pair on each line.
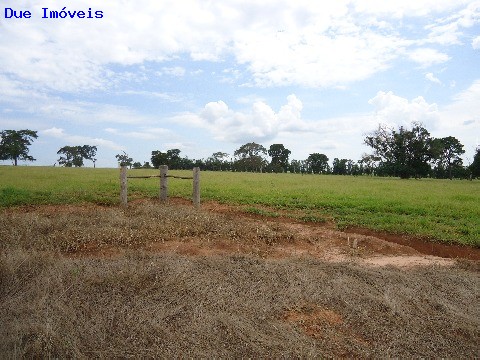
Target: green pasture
442,210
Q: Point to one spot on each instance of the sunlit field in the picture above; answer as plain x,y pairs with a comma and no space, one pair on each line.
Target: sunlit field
442,210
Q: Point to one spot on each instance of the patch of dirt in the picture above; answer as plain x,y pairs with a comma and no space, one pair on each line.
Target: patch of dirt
323,324
408,261
423,246
386,245
239,233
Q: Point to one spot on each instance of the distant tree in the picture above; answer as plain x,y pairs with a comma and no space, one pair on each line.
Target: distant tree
124,159
250,157
296,166
339,167
279,155
172,159
200,163
218,161
368,164
475,166
74,155
89,152
344,167
184,163
70,156
137,165
158,158
146,165
403,152
317,163
446,153
14,145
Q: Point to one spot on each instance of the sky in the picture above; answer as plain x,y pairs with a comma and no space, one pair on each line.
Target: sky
206,76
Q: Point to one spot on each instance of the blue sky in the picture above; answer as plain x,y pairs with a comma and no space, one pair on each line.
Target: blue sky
208,76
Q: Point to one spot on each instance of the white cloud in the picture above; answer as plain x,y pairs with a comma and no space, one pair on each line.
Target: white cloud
432,78
315,59
153,94
449,30
426,57
406,8
476,43
259,123
315,44
21,97
464,109
59,133
396,111
459,118
176,71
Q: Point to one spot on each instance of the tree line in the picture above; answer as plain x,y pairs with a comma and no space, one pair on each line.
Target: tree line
403,152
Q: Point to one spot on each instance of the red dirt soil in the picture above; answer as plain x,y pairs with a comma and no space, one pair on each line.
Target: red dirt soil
422,245
319,240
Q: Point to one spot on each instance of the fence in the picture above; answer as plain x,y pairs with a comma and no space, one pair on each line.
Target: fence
163,192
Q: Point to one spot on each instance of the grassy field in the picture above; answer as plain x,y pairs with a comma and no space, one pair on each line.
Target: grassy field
442,210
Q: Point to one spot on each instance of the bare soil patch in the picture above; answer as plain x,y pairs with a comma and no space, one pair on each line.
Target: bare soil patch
169,281
419,244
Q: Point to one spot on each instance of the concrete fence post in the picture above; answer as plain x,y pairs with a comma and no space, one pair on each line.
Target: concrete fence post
196,187
163,183
123,186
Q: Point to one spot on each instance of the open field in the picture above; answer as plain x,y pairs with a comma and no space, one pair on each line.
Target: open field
169,281
441,210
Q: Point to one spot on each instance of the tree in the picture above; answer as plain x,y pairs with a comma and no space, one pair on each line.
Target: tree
403,153
171,158
368,164
296,166
218,161
158,158
89,152
317,163
70,156
14,145
475,166
279,155
342,167
74,155
124,159
250,157
174,161
446,152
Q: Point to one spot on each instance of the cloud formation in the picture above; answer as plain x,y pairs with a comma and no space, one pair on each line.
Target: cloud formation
314,44
430,77
259,123
396,111
476,43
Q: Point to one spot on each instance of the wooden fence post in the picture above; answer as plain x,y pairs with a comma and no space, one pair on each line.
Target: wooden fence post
123,185
163,183
196,187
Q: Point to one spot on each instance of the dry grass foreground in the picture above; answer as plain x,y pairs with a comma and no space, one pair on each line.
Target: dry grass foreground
152,281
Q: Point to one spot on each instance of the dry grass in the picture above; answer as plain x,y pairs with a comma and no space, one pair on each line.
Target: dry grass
74,228
145,304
